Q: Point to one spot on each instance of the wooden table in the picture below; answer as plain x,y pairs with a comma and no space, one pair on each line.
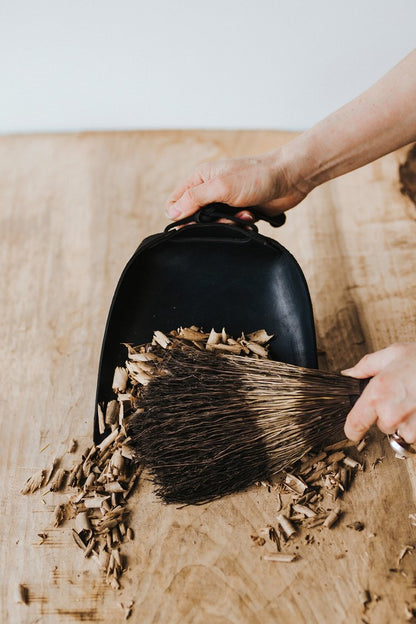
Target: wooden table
73,208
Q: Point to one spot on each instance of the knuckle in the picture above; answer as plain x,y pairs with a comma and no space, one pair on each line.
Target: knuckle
366,359
190,196
203,168
377,388
388,423
390,415
398,349
385,387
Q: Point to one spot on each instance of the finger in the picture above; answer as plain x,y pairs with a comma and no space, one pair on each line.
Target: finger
246,216
193,198
407,429
360,419
371,364
193,180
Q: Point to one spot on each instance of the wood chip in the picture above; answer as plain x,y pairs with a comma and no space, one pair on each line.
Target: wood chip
101,421
280,557
286,525
257,348
161,339
48,473
405,550
58,480
83,526
306,511
213,338
190,334
335,457
295,483
34,482
352,463
111,412
120,379
409,612
260,336
332,517
108,440
73,445
58,515
361,445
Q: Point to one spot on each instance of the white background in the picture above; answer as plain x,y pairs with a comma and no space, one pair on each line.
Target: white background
84,64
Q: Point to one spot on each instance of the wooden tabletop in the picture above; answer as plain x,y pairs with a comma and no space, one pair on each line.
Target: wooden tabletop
73,208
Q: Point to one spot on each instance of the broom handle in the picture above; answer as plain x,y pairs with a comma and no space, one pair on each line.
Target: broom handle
399,446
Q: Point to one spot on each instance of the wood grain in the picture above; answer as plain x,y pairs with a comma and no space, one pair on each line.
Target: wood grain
73,208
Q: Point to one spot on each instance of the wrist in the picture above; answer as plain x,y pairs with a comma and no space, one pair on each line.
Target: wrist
295,162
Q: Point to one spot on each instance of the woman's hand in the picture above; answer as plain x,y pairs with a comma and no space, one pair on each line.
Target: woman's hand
262,181
389,400
375,123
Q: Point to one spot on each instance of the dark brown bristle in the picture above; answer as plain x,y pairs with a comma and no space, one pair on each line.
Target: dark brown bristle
213,425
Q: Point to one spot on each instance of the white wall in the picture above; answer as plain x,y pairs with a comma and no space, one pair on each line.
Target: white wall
103,64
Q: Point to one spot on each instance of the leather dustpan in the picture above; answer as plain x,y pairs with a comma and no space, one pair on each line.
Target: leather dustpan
209,274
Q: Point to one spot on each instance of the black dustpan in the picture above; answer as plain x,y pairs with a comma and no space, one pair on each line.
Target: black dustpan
209,274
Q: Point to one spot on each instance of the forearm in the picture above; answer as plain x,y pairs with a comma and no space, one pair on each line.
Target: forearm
380,120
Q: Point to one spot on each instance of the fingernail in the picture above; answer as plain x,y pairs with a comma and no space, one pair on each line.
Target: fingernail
173,212
247,215
346,371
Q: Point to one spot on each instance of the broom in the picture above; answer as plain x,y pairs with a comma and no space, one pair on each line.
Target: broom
210,425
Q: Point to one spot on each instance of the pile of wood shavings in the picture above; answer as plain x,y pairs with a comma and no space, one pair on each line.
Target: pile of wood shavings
99,484
309,497
97,487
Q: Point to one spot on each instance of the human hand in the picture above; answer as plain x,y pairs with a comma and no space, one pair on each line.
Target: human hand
389,400
263,181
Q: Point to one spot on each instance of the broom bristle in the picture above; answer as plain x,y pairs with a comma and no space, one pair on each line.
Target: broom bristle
213,425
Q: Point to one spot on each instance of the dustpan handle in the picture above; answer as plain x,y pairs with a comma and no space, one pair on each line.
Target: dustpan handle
212,212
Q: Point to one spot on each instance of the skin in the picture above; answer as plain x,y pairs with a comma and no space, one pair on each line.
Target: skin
377,122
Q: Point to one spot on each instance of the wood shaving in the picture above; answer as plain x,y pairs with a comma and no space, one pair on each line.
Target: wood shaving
58,480
34,482
280,557
260,336
332,517
405,550
73,445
